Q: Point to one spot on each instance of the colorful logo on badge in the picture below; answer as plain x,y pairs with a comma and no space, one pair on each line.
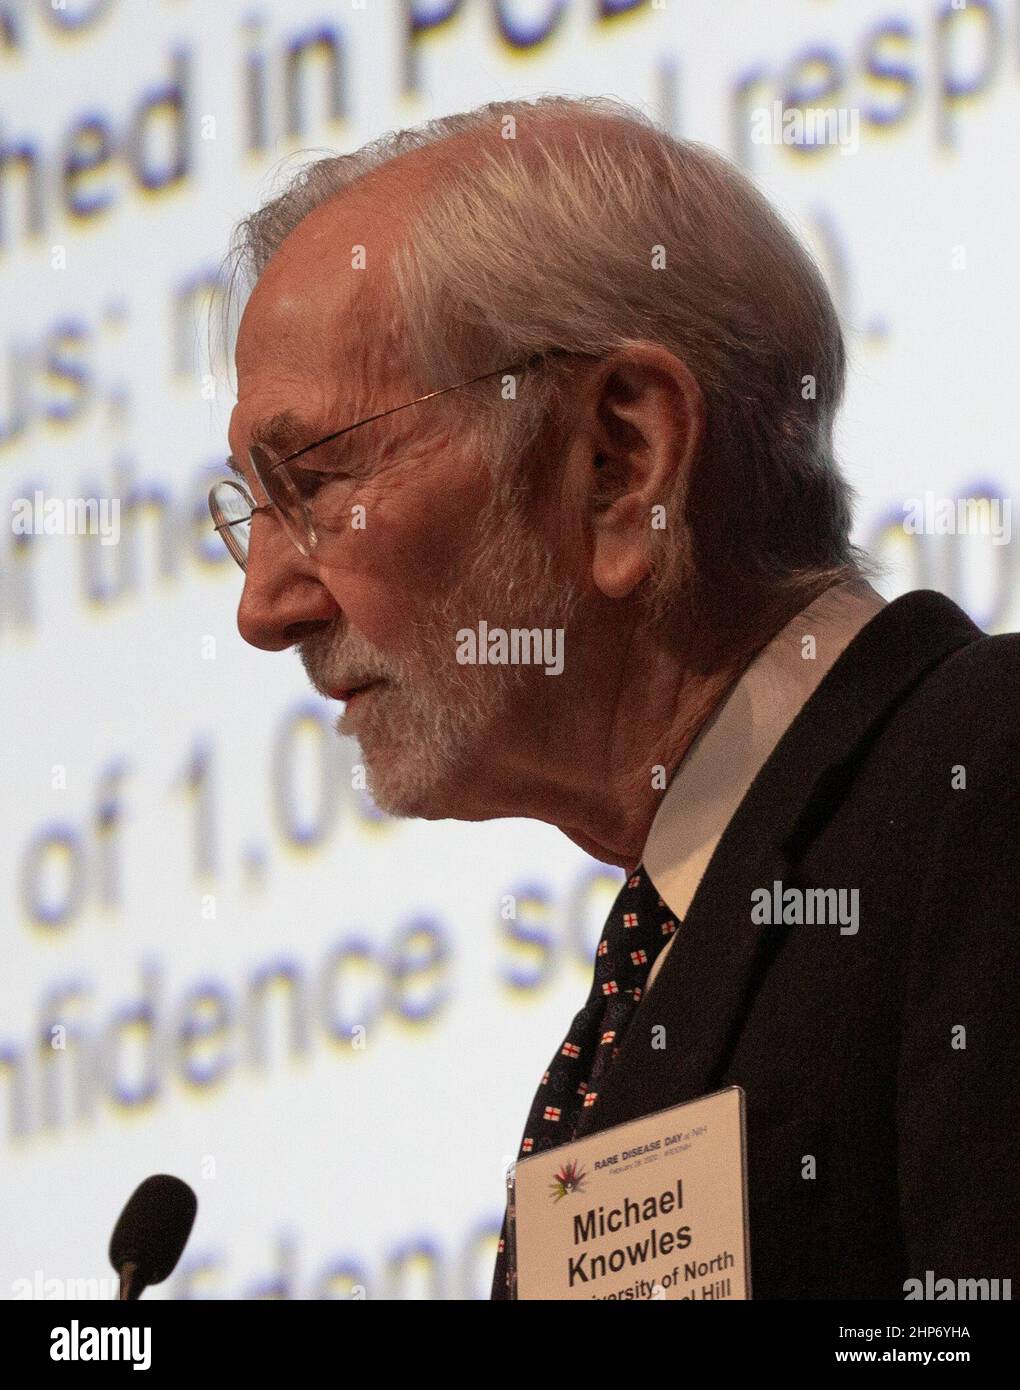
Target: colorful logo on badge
569,1179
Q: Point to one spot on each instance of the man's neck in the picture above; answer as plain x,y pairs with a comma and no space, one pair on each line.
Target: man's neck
616,832
640,790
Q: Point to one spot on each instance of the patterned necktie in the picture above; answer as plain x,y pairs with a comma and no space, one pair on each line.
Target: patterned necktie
565,1105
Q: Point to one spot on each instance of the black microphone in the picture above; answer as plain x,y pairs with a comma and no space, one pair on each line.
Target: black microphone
150,1236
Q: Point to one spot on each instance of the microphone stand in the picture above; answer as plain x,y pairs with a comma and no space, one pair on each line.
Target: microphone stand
131,1283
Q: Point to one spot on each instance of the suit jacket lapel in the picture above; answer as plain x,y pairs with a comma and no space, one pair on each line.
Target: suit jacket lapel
719,957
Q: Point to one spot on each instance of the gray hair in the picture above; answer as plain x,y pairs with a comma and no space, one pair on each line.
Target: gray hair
593,244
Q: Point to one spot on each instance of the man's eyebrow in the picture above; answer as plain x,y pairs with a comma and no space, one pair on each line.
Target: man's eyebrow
284,433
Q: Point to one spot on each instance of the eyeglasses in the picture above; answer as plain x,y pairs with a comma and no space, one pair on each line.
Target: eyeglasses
306,505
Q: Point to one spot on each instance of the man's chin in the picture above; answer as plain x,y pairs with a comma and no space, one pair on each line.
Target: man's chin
424,758
404,776
410,777
413,794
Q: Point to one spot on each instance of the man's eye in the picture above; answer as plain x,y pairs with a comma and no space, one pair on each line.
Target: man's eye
309,482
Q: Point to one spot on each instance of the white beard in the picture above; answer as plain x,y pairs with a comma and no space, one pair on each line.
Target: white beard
421,731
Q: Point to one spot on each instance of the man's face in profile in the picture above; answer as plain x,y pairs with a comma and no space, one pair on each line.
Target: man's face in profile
430,559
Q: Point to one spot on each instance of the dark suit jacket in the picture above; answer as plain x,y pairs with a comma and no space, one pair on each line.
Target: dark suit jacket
844,1043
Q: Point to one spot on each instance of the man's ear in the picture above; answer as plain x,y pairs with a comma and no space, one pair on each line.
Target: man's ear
649,422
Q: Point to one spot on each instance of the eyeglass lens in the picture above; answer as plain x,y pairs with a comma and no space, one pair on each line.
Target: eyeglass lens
231,509
285,497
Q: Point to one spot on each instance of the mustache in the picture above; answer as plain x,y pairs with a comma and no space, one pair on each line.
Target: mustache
335,657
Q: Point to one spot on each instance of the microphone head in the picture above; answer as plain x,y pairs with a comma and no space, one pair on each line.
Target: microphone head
153,1228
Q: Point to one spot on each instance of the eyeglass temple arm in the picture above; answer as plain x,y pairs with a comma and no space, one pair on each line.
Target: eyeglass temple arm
531,361
220,525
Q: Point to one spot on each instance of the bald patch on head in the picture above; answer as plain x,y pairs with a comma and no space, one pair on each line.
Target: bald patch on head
311,307
406,178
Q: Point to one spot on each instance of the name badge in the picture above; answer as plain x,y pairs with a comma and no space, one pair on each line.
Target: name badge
656,1208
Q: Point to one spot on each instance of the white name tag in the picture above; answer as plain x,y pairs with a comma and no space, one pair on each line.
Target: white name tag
656,1208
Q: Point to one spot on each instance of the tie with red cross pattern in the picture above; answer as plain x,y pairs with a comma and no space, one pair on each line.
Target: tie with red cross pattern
566,1103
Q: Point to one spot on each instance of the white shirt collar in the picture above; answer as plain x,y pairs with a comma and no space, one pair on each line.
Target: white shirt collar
731,749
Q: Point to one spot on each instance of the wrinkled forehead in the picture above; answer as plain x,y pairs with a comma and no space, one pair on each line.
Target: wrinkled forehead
286,328
283,360
319,309
293,361
324,285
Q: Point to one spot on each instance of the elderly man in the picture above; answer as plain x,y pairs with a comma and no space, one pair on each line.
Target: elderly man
541,369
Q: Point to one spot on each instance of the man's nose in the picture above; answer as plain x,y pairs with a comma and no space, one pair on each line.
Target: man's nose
283,600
